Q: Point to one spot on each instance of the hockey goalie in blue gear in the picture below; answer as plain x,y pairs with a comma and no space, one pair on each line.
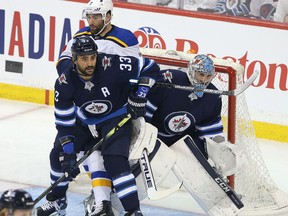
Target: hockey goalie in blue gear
190,124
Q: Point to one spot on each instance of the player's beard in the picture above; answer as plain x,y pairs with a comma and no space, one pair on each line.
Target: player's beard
86,72
95,30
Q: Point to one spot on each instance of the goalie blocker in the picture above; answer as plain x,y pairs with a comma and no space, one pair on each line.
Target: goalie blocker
184,161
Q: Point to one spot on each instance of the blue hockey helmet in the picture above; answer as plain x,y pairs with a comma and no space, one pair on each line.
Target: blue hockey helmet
16,199
83,45
201,72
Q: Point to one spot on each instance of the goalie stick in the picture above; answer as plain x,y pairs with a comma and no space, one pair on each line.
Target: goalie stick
152,192
214,175
85,156
233,92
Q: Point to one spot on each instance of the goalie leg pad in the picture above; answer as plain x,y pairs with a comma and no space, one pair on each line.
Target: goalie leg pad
197,180
144,136
162,159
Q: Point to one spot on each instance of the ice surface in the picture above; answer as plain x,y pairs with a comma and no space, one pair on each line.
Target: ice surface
27,133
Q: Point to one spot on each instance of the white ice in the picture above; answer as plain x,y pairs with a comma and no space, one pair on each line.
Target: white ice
27,133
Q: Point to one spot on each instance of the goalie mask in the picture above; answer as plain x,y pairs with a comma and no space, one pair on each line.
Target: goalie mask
201,72
16,200
102,7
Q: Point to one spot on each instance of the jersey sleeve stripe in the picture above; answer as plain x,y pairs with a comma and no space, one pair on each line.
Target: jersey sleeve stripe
65,112
117,40
65,122
210,126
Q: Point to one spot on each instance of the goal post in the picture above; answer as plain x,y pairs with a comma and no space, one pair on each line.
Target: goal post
252,181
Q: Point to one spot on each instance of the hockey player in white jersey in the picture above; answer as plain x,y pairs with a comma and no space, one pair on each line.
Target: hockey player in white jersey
109,38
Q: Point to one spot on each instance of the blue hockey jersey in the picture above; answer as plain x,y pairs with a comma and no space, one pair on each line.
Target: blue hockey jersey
102,97
174,113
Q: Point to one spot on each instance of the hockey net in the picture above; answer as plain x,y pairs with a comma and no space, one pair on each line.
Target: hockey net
252,181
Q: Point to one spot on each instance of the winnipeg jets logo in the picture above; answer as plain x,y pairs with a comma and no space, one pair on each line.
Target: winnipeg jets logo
89,85
96,108
62,79
179,122
106,62
168,76
176,123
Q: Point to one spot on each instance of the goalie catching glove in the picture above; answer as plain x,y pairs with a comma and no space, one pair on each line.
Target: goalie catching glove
222,153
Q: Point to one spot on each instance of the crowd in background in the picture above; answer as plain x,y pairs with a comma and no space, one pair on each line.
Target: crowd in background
272,10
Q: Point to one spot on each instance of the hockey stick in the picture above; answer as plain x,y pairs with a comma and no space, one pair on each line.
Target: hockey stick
152,192
85,156
214,175
234,92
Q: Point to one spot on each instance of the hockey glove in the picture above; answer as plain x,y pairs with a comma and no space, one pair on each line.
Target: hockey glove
136,106
223,154
68,163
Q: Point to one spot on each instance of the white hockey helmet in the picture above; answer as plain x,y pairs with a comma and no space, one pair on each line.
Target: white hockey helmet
98,7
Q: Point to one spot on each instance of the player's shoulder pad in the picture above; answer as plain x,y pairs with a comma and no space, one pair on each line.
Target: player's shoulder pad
123,37
83,31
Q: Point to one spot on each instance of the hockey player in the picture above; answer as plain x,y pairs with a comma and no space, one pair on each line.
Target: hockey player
183,112
109,38
183,117
16,203
189,123
89,101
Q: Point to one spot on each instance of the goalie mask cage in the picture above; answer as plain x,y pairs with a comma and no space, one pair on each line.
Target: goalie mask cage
252,181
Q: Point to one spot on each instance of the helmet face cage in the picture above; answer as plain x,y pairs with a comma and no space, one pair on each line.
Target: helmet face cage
98,7
16,199
83,45
199,66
